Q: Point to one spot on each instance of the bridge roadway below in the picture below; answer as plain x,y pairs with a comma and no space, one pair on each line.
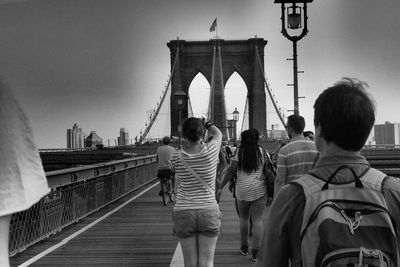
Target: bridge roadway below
136,230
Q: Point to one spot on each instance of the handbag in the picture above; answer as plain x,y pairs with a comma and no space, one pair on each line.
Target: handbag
270,174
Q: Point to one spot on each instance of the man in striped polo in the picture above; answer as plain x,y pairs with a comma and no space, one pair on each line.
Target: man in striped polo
297,157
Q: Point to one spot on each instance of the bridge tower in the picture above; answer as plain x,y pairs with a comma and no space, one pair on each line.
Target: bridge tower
233,55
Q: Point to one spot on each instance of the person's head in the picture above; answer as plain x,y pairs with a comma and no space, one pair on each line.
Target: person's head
166,140
249,155
193,129
295,124
309,135
344,114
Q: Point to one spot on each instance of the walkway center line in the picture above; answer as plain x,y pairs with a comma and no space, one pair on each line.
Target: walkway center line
177,259
72,236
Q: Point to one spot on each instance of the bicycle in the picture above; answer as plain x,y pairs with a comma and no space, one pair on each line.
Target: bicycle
167,189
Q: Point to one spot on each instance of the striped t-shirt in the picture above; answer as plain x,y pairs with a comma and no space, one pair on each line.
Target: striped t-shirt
250,186
294,160
191,193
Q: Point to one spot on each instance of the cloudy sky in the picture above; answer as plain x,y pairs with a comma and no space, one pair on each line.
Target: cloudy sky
103,64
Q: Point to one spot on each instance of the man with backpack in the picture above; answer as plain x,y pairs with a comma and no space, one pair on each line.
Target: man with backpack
343,212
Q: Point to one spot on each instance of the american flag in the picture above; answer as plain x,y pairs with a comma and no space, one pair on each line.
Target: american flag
213,25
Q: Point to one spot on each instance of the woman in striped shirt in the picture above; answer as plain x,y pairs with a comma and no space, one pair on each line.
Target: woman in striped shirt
196,214
250,189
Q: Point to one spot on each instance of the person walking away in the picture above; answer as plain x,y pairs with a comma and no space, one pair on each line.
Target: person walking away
22,178
164,164
297,157
250,189
355,207
196,214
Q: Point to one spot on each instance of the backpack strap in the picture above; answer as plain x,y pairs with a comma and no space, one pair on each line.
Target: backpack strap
371,179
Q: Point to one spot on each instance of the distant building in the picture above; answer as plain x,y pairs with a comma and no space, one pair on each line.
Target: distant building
93,140
387,134
75,137
277,134
123,139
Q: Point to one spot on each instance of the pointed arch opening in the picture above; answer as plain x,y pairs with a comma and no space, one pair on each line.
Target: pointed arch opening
235,97
199,95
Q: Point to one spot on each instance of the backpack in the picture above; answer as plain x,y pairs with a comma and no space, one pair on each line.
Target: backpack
347,224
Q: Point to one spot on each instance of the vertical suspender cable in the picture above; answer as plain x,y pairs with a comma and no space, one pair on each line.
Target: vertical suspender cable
269,91
153,118
226,132
244,114
211,100
190,108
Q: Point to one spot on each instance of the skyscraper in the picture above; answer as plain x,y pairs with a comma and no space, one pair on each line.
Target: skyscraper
123,139
93,140
75,137
387,134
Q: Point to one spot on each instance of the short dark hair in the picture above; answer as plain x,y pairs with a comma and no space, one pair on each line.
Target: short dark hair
345,113
166,140
193,129
297,123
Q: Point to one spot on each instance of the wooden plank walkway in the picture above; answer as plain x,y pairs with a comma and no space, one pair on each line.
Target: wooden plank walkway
137,234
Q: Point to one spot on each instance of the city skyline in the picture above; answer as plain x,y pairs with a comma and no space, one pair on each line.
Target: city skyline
77,138
103,64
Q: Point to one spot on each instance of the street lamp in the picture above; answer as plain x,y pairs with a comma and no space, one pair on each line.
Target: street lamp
232,125
235,114
294,22
235,118
180,98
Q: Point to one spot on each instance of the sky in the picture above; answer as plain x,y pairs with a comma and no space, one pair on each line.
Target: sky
103,64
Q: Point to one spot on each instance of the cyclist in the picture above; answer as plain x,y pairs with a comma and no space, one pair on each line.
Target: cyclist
165,169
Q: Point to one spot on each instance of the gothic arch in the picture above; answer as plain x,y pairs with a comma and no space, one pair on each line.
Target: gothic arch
236,55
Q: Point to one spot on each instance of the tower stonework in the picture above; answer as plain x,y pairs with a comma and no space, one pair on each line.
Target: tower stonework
235,56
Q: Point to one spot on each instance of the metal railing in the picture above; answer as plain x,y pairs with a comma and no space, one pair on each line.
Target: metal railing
76,193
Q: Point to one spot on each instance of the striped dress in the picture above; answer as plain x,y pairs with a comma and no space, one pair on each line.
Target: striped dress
250,186
191,193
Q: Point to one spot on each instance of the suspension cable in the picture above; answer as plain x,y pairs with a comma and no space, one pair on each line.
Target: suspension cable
154,116
226,132
244,114
211,99
190,108
269,91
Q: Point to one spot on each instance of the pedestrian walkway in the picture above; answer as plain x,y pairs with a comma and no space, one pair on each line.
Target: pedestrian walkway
134,231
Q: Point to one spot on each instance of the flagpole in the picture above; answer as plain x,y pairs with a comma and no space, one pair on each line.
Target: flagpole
216,28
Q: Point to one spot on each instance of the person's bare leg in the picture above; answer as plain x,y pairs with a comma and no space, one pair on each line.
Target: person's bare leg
206,246
4,232
189,251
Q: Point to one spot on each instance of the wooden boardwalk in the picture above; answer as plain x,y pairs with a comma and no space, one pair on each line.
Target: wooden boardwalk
139,233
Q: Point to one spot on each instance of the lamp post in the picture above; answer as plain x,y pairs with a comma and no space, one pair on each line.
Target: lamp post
294,21
180,98
232,125
235,118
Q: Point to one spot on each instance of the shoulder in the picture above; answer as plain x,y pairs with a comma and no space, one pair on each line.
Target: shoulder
392,184
288,204
212,145
290,195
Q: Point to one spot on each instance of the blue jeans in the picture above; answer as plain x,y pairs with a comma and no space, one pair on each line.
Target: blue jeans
255,209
